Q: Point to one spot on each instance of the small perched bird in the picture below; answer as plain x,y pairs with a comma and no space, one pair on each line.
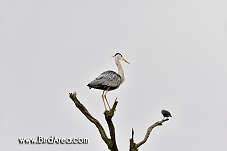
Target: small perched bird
166,114
109,80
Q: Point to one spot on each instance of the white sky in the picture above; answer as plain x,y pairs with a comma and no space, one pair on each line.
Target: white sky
178,55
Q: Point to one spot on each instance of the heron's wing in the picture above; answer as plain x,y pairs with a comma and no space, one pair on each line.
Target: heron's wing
109,78
112,79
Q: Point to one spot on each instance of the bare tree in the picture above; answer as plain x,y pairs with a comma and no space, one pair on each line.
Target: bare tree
111,141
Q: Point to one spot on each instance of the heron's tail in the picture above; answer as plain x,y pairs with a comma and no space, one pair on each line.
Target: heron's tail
89,86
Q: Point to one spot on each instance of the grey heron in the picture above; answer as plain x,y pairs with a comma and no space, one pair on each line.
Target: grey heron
166,113
109,80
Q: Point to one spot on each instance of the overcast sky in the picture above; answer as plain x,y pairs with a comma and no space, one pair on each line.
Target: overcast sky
178,55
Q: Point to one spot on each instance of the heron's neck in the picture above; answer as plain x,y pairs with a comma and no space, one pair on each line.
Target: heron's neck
120,69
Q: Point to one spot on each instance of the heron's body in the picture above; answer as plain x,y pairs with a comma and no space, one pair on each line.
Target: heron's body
109,80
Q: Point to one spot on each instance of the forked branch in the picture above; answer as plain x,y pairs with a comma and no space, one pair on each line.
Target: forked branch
110,142
133,146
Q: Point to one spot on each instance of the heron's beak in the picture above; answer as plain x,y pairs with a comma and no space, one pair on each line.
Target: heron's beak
125,60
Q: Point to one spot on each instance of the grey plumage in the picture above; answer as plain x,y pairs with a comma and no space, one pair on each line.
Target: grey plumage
107,80
166,113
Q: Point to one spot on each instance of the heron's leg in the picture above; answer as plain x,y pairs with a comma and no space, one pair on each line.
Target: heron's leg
103,100
106,98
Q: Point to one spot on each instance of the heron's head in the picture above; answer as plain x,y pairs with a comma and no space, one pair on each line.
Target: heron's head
119,56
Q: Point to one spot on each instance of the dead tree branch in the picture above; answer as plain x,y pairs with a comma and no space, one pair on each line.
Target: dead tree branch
110,142
133,146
